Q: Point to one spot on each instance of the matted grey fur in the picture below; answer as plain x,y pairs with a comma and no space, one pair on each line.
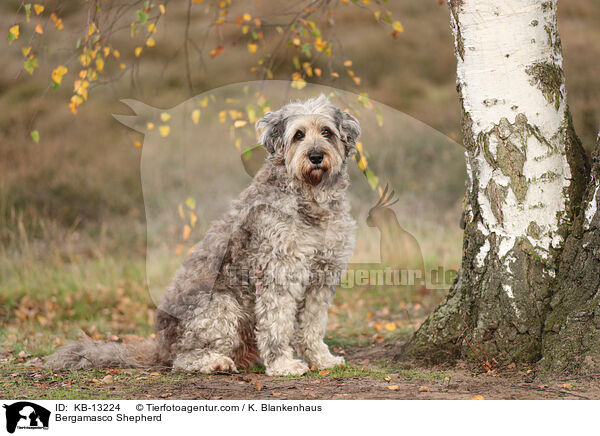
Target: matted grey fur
261,280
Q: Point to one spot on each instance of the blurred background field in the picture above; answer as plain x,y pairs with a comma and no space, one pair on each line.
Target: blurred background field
72,219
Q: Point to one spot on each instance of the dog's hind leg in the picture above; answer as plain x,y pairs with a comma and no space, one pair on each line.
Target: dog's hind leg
312,321
204,361
211,337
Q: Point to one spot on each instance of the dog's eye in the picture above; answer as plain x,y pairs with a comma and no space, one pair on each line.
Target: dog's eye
326,132
299,135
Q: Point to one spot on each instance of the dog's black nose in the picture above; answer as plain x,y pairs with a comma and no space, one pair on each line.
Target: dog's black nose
316,157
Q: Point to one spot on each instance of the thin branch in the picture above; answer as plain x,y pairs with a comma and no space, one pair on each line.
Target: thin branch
188,71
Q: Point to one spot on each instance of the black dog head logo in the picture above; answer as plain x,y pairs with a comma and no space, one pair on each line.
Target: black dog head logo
26,414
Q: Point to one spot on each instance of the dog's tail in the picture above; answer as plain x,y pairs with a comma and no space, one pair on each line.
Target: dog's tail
87,354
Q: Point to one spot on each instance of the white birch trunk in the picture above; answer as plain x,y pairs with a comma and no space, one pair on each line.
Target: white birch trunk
526,172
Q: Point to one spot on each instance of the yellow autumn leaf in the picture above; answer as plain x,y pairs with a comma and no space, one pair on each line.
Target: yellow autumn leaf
348,63
138,51
150,42
297,81
164,130
187,230
362,163
106,51
390,326
240,123
80,87
179,250
359,147
100,64
38,29
151,28
215,51
398,26
204,102
252,48
116,53
180,210
193,218
165,116
122,66
222,116
478,397
162,8
247,17
393,387
58,73
75,102
13,33
26,51
320,45
38,8
57,21
196,116
137,144
150,126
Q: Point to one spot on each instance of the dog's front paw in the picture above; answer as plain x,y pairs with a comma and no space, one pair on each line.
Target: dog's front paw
286,366
327,361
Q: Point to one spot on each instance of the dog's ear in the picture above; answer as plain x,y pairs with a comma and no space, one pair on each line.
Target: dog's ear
349,129
270,130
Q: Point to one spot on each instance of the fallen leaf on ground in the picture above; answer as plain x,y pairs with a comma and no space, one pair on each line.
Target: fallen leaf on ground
478,397
276,394
324,372
567,386
258,385
108,379
393,387
423,389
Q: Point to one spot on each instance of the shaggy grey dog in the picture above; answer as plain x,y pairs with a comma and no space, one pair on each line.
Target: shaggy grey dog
260,282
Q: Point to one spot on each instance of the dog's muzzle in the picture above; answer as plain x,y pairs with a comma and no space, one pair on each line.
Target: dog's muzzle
316,167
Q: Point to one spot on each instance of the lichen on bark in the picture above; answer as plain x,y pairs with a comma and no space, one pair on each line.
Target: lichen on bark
548,77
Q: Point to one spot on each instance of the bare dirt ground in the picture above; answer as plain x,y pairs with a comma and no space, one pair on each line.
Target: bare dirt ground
369,374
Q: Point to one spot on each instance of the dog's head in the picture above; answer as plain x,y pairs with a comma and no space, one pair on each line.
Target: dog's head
312,139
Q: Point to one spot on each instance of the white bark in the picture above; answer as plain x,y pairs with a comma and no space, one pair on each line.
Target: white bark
508,59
